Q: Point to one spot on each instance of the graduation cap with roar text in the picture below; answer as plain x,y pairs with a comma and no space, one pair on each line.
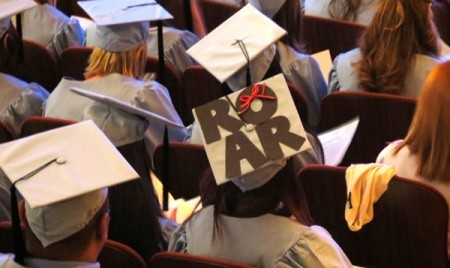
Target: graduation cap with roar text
248,134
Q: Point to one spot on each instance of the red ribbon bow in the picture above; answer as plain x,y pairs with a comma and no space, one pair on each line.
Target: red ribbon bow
246,100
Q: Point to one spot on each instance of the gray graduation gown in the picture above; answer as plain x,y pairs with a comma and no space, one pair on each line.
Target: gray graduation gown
344,77
151,96
265,241
46,25
19,100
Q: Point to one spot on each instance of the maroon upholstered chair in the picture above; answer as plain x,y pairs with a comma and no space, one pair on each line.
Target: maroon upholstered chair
300,103
383,118
181,12
73,62
187,163
113,254
441,18
214,13
337,36
180,260
38,124
39,66
409,228
198,87
6,134
70,7
172,80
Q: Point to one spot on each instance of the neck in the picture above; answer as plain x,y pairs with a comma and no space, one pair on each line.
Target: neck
94,77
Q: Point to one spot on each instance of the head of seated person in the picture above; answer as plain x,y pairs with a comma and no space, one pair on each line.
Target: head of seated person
399,31
270,190
72,230
119,49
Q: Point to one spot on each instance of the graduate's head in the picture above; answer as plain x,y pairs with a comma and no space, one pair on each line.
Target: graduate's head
63,176
248,137
399,31
75,229
119,49
428,134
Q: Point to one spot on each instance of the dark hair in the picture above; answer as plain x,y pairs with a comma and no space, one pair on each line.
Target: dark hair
289,17
135,208
282,195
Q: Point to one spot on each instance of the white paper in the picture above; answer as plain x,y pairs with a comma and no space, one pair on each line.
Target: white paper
124,106
336,141
323,58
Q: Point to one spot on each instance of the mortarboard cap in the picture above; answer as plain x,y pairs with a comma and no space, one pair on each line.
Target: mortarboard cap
123,24
248,134
62,175
10,8
125,106
85,160
268,7
224,51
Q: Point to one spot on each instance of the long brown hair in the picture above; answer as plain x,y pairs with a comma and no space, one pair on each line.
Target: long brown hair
289,17
282,195
400,30
428,137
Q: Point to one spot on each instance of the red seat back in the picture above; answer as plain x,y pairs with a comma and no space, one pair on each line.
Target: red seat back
187,163
383,118
409,228
338,36
180,260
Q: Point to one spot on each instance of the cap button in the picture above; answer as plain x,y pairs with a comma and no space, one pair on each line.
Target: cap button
60,160
249,127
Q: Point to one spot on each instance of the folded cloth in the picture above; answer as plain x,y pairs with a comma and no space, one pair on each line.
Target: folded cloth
365,185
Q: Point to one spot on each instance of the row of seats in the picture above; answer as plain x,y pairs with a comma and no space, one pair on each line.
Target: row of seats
191,15
409,228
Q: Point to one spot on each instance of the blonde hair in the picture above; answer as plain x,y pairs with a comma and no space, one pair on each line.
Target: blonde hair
400,30
129,63
428,136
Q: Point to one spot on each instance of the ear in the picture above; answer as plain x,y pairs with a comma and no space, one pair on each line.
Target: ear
103,227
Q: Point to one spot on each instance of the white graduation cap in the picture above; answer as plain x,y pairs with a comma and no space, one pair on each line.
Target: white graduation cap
78,159
10,8
62,175
124,106
249,133
268,7
222,52
123,24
